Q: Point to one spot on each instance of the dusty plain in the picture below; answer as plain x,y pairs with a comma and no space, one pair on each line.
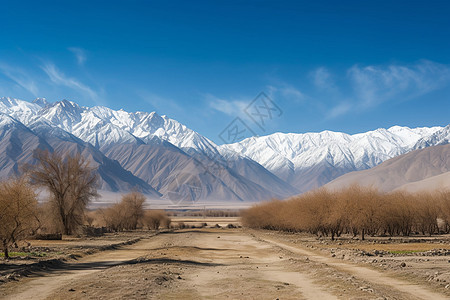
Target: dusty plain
228,263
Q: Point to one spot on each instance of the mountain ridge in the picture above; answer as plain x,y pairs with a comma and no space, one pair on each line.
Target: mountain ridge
258,168
297,158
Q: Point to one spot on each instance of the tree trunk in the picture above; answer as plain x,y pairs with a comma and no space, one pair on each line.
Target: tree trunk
5,249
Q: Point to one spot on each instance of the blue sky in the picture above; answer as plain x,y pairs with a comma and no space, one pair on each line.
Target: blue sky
351,67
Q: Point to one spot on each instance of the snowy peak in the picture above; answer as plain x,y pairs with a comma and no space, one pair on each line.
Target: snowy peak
410,136
18,109
42,102
440,137
60,117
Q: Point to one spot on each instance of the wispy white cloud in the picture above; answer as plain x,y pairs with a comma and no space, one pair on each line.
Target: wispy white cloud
229,107
322,78
363,87
58,77
162,104
80,54
338,110
285,91
20,77
374,85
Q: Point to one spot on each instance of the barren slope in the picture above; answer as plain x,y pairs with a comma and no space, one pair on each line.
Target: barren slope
408,169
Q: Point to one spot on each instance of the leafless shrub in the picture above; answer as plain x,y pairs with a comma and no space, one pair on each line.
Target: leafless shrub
133,206
125,215
18,212
113,217
154,219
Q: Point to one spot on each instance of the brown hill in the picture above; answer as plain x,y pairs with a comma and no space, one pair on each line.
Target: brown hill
423,169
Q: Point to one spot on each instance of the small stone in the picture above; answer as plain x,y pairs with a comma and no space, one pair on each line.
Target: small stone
403,265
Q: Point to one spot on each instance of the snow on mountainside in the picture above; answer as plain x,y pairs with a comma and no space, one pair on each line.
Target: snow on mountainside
139,138
283,163
310,160
440,137
18,144
102,126
20,110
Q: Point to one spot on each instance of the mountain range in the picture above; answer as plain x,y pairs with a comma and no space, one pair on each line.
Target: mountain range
310,160
165,159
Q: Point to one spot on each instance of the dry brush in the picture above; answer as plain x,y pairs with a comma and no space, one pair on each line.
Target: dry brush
355,210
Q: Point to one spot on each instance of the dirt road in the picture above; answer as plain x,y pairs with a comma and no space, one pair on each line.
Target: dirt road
213,264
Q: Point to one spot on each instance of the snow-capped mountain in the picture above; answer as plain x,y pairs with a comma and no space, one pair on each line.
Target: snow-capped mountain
156,149
312,159
102,126
171,158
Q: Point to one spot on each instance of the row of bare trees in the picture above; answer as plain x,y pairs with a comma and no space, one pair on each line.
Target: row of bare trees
355,210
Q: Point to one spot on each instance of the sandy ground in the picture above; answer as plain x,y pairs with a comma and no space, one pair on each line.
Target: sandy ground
229,264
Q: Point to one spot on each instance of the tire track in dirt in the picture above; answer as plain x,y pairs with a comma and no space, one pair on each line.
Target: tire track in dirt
414,291
221,262
262,266
43,286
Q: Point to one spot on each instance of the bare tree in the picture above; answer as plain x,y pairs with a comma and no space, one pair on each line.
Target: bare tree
443,197
18,211
154,219
427,213
362,207
132,204
113,217
126,214
71,183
